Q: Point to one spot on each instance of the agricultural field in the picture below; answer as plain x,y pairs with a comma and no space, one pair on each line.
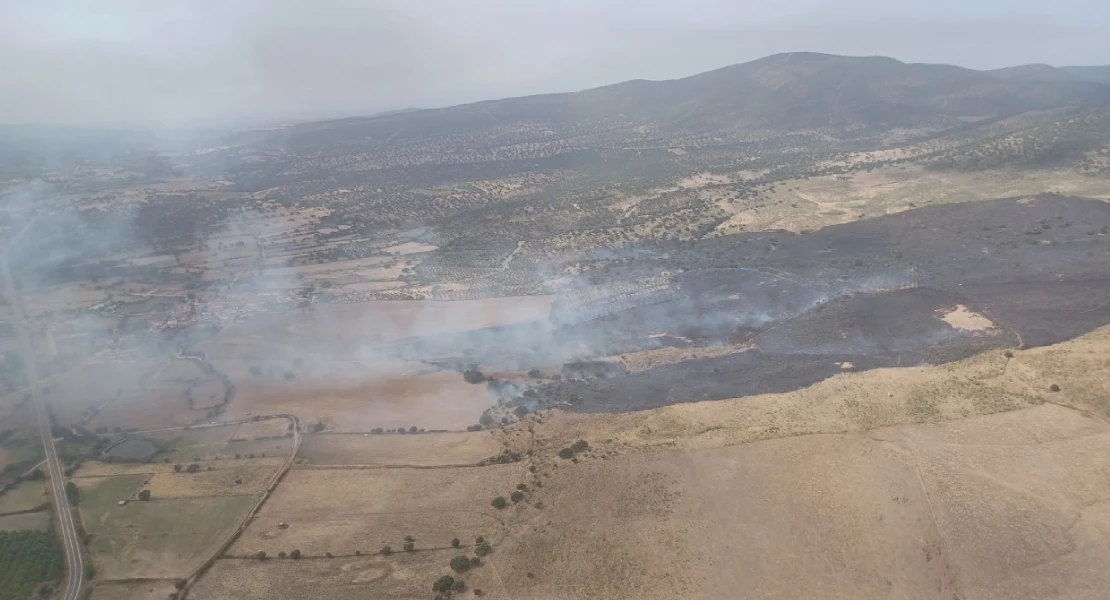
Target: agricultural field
36,521
341,510
429,449
23,497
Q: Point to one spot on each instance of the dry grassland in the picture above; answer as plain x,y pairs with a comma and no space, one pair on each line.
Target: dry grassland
218,482
428,449
914,496
344,510
256,430
403,576
144,590
820,201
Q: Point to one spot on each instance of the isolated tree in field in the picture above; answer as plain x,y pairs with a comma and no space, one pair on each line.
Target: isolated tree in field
460,564
71,492
443,584
499,502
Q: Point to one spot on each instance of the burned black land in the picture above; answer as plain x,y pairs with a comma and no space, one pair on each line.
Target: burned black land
871,293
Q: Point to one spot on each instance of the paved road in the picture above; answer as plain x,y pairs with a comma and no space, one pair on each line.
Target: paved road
75,571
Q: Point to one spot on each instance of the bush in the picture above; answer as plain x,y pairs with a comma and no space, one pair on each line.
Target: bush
144,495
473,376
386,550
483,549
460,564
459,586
566,453
295,553
516,496
455,543
521,486
479,540
475,562
179,584
1054,388
260,555
443,584
409,546
499,502
192,468
282,554
580,446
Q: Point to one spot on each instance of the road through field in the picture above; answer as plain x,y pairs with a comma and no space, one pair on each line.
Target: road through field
75,571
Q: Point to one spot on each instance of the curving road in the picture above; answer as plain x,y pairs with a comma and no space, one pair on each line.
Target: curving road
71,543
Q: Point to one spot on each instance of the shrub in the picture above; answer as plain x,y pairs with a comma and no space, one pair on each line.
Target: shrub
475,562
566,453
1054,388
473,376
282,554
386,550
409,538
295,553
144,495
483,549
479,540
580,446
328,555
521,486
531,468
260,555
192,468
179,584
499,502
409,546
516,496
459,586
455,543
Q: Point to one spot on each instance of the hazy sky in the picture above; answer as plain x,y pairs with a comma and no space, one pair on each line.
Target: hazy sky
181,62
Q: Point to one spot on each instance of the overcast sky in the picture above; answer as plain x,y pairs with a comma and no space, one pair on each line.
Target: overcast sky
196,62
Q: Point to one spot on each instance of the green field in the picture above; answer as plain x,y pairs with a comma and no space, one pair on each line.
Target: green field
27,558
25,496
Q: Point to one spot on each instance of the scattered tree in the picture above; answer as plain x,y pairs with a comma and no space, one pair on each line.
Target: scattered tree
460,564
296,553
192,468
260,555
483,549
455,543
443,584
386,550
499,502
409,546
566,453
